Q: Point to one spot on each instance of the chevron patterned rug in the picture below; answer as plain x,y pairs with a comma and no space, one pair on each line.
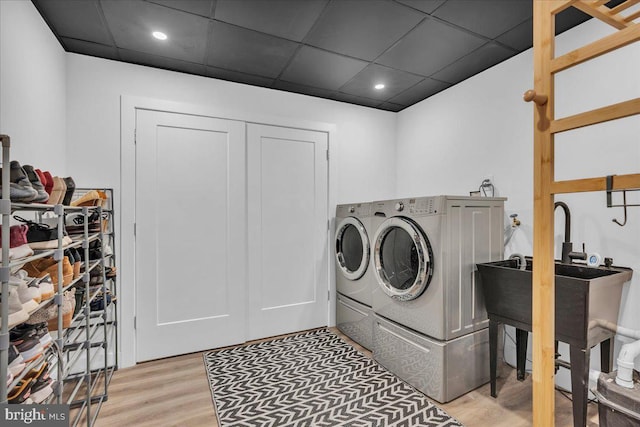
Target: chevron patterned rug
312,379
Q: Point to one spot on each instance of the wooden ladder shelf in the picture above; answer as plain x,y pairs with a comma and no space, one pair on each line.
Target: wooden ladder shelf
545,186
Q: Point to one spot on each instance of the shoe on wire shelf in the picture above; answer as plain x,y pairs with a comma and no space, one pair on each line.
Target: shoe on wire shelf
17,313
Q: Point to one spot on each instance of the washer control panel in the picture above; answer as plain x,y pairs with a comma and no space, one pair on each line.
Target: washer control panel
360,210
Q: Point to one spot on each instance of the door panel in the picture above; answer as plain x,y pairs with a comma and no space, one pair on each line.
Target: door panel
191,233
287,184
287,213
207,186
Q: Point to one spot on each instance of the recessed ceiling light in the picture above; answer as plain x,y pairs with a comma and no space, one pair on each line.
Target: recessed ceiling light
159,35
379,86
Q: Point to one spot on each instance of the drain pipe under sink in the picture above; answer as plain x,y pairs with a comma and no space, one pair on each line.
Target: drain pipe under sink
628,352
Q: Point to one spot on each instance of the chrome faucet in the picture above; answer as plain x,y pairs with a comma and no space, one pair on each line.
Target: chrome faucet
567,247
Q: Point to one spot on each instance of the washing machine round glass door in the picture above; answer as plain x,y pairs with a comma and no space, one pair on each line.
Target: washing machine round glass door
403,259
352,248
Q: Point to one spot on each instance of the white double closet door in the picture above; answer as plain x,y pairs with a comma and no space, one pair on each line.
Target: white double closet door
231,232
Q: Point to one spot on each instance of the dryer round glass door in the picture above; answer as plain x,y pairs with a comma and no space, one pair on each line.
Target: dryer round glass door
403,259
352,248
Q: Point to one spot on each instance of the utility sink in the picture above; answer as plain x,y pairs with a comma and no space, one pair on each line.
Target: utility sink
582,294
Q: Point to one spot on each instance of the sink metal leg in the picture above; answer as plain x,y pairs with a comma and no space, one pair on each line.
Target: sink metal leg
493,355
606,355
579,384
522,338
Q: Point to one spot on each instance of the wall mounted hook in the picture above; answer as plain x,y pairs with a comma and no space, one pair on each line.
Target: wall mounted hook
624,205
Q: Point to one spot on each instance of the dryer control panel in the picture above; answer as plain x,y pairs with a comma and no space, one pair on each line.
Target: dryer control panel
425,205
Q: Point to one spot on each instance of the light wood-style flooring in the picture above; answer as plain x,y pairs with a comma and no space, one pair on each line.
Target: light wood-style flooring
175,392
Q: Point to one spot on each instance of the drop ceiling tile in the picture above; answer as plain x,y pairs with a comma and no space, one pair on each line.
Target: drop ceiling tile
197,7
389,106
237,77
306,90
132,23
290,19
426,6
395,82
238,49
430,47
161,62
489,18
321,69
75,19
418,92
358,100
520,37
569,18
474,63
613,3
89,48
362,29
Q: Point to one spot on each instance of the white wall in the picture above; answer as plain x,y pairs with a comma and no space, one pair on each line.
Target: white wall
32,88
480,127
366,150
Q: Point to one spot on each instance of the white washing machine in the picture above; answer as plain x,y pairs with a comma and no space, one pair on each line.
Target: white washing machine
354,275
424,254
354,272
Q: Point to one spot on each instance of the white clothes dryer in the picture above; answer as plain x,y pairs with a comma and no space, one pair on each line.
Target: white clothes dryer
354,272
425,252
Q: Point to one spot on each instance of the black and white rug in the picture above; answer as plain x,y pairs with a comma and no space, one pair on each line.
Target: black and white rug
312,379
